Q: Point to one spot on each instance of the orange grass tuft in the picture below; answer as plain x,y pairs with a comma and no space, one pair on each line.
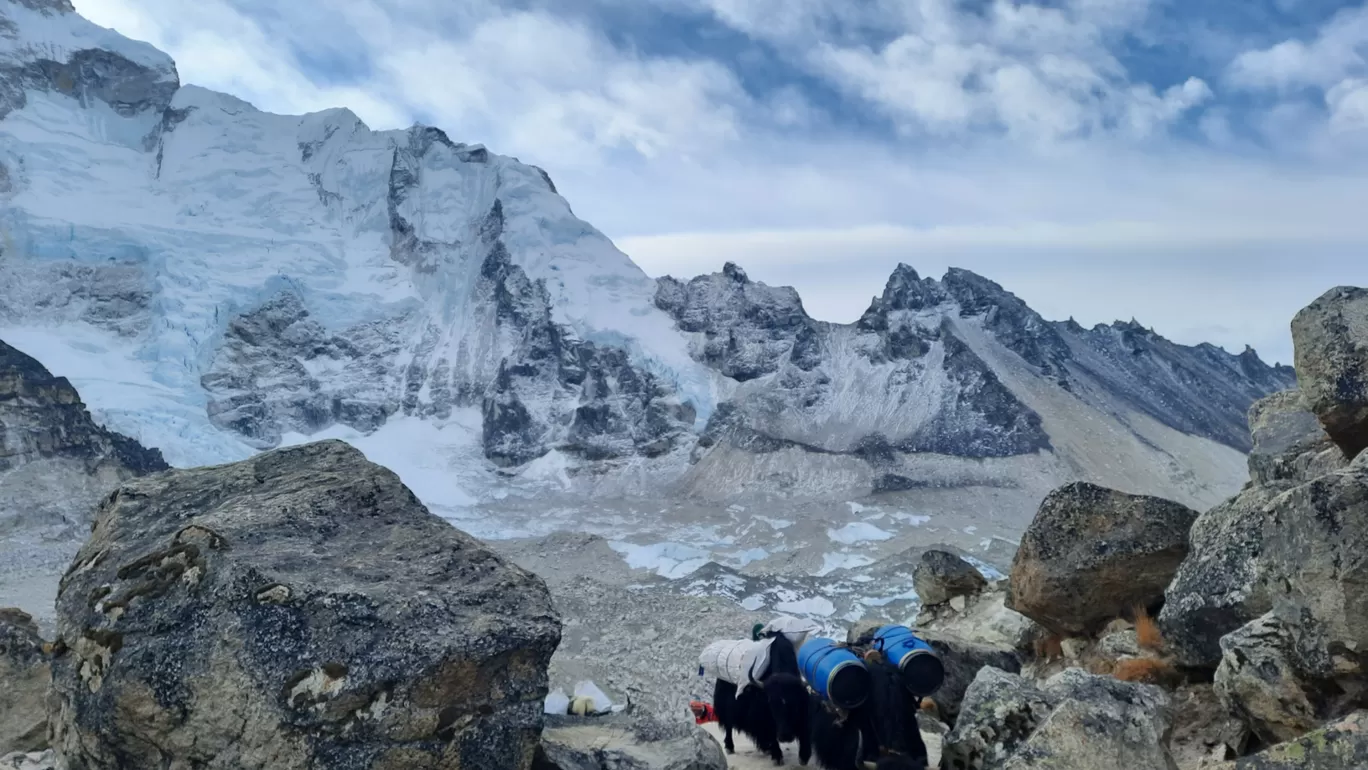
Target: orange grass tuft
1147,630
1049,647
1144,670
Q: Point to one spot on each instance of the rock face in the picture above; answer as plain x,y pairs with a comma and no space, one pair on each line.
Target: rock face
963,660
1258,679
1093,554
1000,711
1331,339
1315,562
55,461
985,618
1221,586
33,760
626,743
298,609
24,677
941,575
1101,724
1341,745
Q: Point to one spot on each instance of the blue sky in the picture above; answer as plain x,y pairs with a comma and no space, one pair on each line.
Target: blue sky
1197,166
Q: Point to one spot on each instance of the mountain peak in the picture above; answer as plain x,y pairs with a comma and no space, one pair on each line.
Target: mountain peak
735,272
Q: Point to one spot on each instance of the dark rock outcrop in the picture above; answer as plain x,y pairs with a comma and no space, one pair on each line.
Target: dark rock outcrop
941,575
55,461
999,713
1093,554
1340,745
24,677
297,609
1331,342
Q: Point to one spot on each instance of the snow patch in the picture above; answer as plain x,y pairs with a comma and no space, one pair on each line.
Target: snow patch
814,605
669,560
858,532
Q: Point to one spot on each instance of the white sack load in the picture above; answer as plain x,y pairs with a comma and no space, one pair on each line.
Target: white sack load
796,629
735,660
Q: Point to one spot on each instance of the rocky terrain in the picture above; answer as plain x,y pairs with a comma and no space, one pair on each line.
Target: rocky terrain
280,584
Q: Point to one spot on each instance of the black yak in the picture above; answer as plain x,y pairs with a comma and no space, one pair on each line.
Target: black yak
767,715
890,717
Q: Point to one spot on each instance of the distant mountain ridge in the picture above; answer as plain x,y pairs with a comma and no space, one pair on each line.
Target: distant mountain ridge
218,280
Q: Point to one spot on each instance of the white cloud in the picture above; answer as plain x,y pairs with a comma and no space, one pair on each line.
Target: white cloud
1336,51
1348,102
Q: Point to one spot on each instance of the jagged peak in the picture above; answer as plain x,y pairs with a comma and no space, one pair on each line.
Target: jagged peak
735,272
48,6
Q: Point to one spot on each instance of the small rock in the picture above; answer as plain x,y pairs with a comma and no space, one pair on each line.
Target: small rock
984,619
999,712
1289,444
623,742
1330,337
1341,745
1258,680
957,603
24,676
1204,731
34,760
941,576
1092,554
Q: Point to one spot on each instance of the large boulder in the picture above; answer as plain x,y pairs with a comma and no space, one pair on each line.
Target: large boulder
623,742
941,576
1340,745
963,660
1000,711
985,618
1331,351
33,760
1315,566
300,609
1259,681
1219,586
1099,724
1289,444
1204,731
1093,554
24,677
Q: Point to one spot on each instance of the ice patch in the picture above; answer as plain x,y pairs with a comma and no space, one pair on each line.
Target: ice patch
742,558
987,570
858,532
775,523
753,603
970,530
669,560
856,508
814,605
834,561
912,519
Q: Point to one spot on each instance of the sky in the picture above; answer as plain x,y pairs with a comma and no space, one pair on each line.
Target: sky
1197,166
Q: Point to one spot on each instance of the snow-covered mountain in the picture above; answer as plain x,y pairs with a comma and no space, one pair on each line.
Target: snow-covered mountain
216,280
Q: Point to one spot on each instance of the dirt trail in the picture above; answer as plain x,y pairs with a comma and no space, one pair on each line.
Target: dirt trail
747,758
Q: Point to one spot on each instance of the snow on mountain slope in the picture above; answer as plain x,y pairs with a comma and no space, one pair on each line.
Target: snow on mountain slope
216,280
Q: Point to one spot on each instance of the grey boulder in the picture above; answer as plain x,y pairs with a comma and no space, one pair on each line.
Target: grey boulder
1330,337
1000,711
1092,554
940,576
623,742
24,677
1258,680
1340,745
299,609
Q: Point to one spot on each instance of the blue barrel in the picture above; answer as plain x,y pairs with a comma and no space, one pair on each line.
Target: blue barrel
920,668
836,673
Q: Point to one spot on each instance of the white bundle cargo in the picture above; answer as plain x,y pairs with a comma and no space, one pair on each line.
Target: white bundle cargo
796,629
735,660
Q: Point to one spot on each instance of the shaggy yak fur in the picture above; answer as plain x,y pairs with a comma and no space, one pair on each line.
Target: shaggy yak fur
891,713
767,714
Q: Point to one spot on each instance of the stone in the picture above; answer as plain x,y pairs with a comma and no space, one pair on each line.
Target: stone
24,677
1315,567
1330,339
941,576
963,659
34,760
625,742
1259,681
1219,586
1204,731
400,642
1093,554
1340,745
1099,724
999,712
984,619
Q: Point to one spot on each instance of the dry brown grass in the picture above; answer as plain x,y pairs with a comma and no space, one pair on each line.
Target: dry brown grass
1049,647
1145,671
1147,630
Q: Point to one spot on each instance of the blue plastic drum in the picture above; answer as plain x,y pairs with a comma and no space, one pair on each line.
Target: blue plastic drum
835,673
920,668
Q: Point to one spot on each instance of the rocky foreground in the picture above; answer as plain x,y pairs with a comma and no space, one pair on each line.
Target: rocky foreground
303,609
